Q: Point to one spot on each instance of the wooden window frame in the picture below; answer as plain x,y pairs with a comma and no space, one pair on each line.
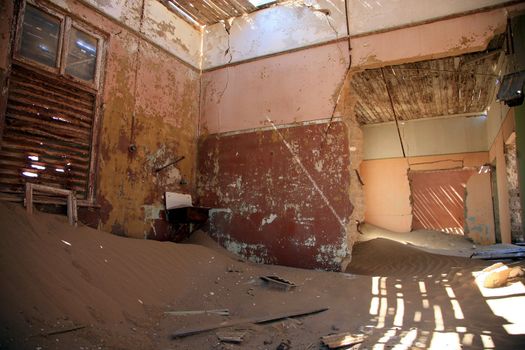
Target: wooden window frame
18,38
68,21
70,24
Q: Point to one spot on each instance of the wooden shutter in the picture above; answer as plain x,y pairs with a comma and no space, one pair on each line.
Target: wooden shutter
48,132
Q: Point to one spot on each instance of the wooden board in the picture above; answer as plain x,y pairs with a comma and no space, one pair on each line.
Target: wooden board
184,332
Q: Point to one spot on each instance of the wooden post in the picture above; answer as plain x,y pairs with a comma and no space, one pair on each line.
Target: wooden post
29,198
70,208
74,207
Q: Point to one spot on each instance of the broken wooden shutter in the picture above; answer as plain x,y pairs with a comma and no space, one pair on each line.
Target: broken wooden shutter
48,133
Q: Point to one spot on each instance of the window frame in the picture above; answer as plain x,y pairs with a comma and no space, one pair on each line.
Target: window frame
70,24
18,38
68,21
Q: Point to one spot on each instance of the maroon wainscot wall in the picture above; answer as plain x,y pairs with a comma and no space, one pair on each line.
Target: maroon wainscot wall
280,196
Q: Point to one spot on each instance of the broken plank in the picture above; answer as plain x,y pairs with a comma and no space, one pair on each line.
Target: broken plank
221,312
342,339
277,282
60,331
184,332
231,337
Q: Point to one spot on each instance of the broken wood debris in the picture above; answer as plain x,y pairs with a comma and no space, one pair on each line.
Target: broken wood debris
60,331
335,341
231,337
278,283
284,345
516,252
184,332
220,312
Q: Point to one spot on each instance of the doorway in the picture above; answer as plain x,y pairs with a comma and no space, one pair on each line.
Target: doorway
438,199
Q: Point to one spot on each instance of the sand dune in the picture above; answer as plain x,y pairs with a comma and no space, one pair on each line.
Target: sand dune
55,277
396,259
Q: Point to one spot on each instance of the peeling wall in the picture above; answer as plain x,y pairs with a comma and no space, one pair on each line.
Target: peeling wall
373,15
158,24
446,38
300,24
511,162
150,100
497,158
280,195
388,203
275,29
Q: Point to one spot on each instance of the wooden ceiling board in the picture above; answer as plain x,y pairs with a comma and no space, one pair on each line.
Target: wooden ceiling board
434,88
208,12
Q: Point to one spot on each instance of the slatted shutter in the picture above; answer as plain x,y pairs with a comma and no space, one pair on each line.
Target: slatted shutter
48,133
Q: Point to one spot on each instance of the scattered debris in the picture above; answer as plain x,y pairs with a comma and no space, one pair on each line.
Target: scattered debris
506,252
221,312
232,268
516,272
61,331
231,337
496,279
284,345
493,267
184,332
342,339
278,283
499,275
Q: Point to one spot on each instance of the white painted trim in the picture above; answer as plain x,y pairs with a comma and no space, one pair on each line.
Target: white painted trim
281,126
471,114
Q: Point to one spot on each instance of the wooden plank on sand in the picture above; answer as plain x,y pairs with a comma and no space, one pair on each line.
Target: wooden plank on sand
342,339
184,332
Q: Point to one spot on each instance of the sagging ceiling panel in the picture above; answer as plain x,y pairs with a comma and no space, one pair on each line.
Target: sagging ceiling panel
433,88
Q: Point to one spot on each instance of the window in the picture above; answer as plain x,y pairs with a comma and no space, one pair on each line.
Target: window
53,99
82,55
40,37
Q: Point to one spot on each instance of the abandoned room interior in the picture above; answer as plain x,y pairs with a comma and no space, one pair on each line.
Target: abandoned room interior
262,174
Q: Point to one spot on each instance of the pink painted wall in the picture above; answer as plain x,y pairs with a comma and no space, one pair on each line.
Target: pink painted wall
387,192
387,200
433,40
295,87
303,85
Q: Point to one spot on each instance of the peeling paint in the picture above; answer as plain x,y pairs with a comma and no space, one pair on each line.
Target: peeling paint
271,200
268,220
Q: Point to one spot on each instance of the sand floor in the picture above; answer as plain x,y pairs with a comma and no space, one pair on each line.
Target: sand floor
55,277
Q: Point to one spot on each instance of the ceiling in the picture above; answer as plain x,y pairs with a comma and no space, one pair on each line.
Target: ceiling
434,88
207,12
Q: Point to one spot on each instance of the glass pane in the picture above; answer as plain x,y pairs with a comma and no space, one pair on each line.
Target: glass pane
82,55
40,33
